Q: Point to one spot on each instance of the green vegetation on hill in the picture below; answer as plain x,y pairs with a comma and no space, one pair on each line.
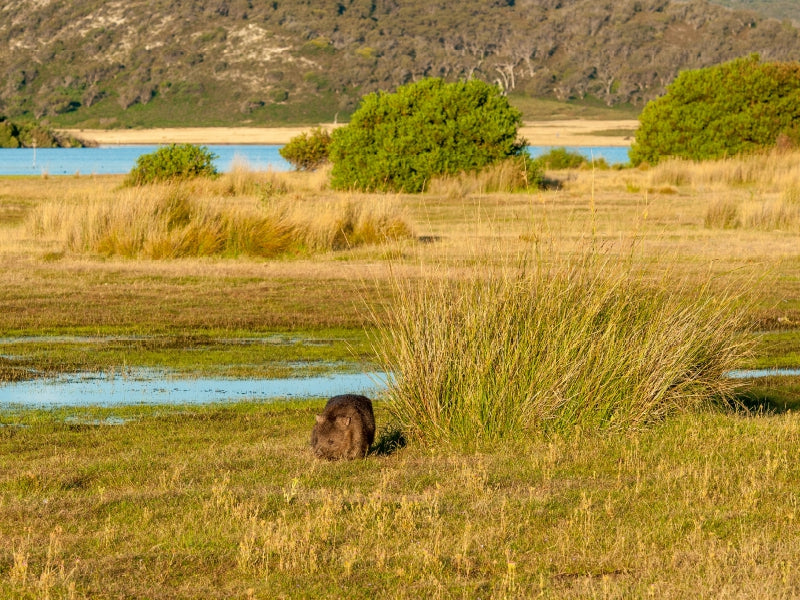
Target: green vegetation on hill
208,62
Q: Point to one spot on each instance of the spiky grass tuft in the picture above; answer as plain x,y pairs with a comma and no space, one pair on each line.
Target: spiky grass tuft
551,347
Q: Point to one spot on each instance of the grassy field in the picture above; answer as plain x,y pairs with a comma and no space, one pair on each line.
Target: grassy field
226,501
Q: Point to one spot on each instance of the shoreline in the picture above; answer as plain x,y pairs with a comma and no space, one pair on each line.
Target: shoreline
573,132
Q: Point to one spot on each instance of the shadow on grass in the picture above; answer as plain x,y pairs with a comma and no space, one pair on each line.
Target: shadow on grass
772,395
391,440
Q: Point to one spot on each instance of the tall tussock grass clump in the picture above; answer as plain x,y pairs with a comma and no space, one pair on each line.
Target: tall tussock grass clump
773,171
162,222
768,215
543,348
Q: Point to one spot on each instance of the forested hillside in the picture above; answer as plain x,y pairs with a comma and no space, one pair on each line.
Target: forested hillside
181,62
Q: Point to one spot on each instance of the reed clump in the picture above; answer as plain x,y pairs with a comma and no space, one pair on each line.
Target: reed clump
175,221
769,171
766,215
551,347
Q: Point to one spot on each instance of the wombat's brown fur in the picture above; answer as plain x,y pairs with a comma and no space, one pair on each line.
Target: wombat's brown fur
345,429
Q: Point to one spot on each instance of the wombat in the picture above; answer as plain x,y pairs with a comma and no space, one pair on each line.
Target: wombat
345,429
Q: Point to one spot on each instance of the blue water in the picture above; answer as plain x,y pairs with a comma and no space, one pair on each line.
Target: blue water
99,389
152,387
613,155
107,160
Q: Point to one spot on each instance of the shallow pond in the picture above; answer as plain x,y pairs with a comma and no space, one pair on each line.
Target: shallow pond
147,387
761,373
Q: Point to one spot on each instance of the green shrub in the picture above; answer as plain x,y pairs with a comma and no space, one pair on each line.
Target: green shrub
561,158
173,163
737,107
399,141
308,151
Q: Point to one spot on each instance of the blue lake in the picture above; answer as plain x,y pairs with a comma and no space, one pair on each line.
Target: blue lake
107,160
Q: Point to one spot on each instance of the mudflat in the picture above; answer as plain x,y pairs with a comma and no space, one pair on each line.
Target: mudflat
543,133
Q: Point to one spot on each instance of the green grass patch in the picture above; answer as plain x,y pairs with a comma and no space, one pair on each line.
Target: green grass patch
546,109
776,349
256,355
227,501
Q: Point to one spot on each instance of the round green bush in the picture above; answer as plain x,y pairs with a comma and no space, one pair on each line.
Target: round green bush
561,158
733,108
173,163
308,151
398,141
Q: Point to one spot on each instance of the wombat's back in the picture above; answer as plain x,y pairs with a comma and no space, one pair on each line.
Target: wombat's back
345,428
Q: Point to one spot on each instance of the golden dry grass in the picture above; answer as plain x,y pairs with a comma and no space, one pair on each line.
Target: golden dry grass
226,501
620,208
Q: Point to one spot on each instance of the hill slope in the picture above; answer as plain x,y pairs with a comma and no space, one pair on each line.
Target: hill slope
191,62
778,9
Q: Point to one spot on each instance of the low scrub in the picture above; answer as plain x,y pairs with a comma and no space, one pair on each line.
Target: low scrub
560,158
175,162
30,134
476,361
167,222
309,150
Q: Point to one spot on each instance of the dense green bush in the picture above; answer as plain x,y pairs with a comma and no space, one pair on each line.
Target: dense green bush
737,107
309,150
398,141
173,163
561,158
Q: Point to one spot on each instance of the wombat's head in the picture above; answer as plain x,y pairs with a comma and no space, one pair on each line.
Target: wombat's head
332,438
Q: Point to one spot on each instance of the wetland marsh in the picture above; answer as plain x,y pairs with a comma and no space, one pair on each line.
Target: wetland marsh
224,499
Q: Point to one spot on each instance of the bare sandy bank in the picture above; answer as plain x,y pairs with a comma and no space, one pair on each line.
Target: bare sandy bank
544,133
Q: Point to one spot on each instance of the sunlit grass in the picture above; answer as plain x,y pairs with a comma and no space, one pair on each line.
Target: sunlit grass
551,345
163,222
228,501
676,498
